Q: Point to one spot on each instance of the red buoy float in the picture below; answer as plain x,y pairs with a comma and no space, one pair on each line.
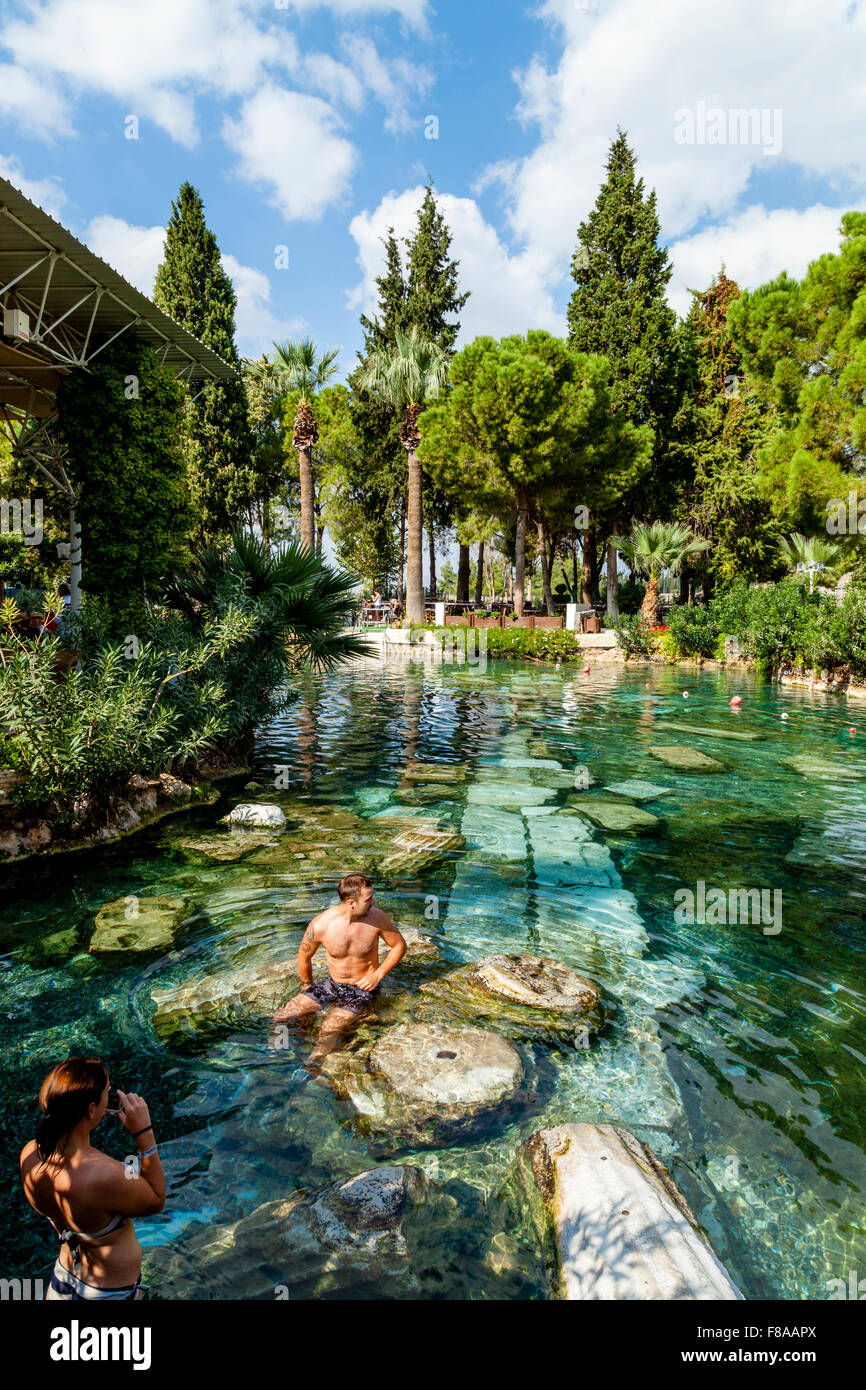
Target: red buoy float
737,701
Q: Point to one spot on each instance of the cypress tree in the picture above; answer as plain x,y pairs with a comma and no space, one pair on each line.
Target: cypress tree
618,308
720,429
192,286
418,287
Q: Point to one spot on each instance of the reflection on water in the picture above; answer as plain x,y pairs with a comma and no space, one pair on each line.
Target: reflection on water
737,1054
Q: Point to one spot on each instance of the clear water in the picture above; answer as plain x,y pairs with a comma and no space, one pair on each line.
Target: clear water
736,1054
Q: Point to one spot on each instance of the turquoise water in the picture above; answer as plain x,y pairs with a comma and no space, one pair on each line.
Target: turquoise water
737,1054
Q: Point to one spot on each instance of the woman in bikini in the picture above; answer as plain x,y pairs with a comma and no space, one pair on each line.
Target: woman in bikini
88,1197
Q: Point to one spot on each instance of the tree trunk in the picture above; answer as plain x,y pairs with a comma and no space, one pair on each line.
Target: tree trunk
575,587
320,534
612,595
684,587
545,568
650,606
520,553
400,594
431,545
308,527
586,572
414,525
592,541
707,588
463,574
479,578
74,560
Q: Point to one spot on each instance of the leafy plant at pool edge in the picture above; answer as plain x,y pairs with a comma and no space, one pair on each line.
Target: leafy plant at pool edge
212,664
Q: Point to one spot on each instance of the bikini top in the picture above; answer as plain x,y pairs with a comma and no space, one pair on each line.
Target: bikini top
73,1238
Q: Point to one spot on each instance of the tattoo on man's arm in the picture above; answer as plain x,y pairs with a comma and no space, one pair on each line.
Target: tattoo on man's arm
308,943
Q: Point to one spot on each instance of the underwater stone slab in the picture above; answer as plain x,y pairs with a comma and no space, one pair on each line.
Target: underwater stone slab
151,928
638,790
418,847
223,998
706,731
623,1230
809,766
256,813
619,817
684,759
507,794
224,847
435,772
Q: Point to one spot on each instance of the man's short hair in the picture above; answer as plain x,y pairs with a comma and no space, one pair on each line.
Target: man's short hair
351,885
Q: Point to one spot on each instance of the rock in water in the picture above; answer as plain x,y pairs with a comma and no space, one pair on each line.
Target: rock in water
620,817
707,731
533,992
435,772
255,813
349,1237
137,924
424,1083
539,982
233,998
833,768
224,847
420,845
622,1228
227,998
684,759
638,790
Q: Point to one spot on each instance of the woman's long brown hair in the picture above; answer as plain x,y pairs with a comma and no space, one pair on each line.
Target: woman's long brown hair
67,1093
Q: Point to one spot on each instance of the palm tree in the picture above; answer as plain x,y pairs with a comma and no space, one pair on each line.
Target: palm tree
653,547
407,376
301,367
803,554
301,606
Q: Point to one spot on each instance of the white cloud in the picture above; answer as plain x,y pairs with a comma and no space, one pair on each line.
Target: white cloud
136,252
156,58
635,65
37,107
390,84
133,251
47,193
509,293
257,325
148,56
290,143
755,246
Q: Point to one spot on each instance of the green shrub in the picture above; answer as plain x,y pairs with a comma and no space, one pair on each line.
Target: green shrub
203,670
632,635
692,631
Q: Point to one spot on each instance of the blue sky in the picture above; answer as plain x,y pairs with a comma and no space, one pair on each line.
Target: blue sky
303,124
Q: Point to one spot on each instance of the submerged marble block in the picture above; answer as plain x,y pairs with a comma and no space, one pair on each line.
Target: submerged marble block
622,1228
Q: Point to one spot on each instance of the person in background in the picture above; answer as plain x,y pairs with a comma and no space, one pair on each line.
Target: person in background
89,1198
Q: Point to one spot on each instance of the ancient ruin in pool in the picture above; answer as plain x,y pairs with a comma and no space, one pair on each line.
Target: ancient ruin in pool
529,828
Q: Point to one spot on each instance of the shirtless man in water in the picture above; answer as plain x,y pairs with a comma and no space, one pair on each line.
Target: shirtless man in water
350,934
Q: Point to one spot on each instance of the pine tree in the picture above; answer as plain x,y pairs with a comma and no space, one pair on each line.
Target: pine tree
194,289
